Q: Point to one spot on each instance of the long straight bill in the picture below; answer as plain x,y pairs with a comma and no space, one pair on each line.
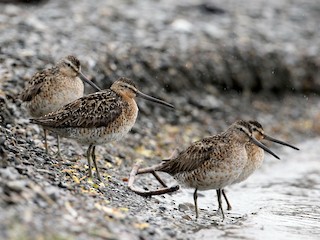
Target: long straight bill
85,79
152,99
266,137
259,144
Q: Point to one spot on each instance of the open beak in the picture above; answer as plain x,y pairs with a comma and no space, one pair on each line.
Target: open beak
266,137
259,144
152,99
85,79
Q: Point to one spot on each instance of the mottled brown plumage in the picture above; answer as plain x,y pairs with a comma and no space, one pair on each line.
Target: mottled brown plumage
211,163
50,89
104,106
255,155
98,118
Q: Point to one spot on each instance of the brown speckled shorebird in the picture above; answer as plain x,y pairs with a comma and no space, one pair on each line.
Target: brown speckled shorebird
98,118
50,89
211,163
255,155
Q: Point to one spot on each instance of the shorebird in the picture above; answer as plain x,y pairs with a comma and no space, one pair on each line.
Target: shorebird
255,155
98,118
50,89
211,163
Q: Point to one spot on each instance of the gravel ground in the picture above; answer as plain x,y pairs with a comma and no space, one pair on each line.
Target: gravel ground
257,61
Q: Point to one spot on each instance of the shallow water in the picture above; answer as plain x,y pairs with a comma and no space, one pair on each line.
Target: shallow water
281,200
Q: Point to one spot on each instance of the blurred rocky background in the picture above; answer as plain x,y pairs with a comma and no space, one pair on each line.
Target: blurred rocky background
180,45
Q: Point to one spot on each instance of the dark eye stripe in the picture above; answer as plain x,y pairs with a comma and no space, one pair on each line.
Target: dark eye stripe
130,87
246,130
241,129
70,65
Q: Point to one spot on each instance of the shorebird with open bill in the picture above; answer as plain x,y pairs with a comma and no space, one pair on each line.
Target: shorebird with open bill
255,155
211,163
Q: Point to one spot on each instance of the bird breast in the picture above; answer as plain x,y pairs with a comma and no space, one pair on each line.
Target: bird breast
214,174
255,159
54,95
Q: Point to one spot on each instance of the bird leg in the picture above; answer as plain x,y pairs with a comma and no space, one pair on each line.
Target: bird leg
58,153
95,162
227,201
195,197
89,160
220,202
135,171
58,146
45,140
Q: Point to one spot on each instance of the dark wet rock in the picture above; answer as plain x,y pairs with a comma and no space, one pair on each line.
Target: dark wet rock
6,116
9,173
162,208
183,207
3,157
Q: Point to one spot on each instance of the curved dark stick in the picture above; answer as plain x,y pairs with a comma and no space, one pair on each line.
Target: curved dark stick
146,170
152,170
135,171
132,175
159,179
154,192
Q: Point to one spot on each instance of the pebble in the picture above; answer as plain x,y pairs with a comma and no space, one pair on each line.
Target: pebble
17,185
162,208
186,217
183,207
9,173
52,192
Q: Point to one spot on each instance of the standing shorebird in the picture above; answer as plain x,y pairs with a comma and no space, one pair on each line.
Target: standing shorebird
255,155
50,89
211,163
98,118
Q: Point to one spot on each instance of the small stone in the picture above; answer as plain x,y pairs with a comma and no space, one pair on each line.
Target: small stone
17,185
186,217
53,193
183,207
182,25
162,208
9,173
170,232
62,185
